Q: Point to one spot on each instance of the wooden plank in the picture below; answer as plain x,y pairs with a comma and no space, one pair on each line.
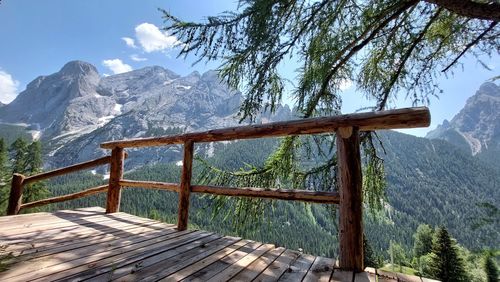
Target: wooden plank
111,237
164,262
174,187
16,194
109,264
342,275
298,268
185,187
88,252
391,119
240,265
351,201
164,268
280,194
68,197
256,268
56,223
185,272
41,247
68,169
321,270
278,267
218,266
68,264
115,175
364,277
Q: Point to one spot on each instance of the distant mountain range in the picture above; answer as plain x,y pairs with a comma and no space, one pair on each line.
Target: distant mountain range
74,110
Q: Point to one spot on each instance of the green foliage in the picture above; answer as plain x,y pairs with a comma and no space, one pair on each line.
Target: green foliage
423,240
397,254
370,258
446,264
490,267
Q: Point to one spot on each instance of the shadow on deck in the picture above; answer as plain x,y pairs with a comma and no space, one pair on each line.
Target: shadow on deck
87,244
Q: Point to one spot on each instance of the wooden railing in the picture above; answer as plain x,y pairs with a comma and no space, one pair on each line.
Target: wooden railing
19,181
349,198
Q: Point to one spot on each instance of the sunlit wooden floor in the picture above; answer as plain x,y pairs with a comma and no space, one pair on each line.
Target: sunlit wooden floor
87,244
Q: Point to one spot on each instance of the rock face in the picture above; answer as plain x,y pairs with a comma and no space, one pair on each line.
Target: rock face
476,128
76,109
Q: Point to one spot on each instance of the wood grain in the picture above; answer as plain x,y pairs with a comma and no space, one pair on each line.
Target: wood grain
351,200
115,175
185,187
391,119
68,197
16,194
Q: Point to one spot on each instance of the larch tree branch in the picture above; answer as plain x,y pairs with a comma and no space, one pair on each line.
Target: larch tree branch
472,9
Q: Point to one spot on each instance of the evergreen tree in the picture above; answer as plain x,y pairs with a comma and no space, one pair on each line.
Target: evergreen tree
3,161
423,240
34,165
370,258
446,264
490,268
19,150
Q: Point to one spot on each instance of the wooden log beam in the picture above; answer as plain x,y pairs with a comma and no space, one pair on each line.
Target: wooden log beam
173,187
68,169
16,194
278,194
185,187
391,119
115,175
351,200
73,196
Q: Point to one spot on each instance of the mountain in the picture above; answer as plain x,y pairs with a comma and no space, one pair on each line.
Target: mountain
75,109
476,128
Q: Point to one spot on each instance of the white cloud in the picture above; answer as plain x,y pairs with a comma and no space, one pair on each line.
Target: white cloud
345,84
136,58
117,66
129,41
8,87
152,39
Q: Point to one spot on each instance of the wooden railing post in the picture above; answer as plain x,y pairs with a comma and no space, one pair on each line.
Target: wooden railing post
16,194
185,187
115,175
351,197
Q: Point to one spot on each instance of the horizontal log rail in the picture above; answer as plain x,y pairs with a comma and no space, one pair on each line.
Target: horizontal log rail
250,192
278,194
19,181
391,119
66,170
73,196
173,187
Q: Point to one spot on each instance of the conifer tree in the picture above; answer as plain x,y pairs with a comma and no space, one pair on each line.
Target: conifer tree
3,161
423,240
19,150
490,268
34,165
446,263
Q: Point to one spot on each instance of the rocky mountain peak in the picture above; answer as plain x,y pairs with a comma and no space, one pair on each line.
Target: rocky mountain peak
476,127
78,68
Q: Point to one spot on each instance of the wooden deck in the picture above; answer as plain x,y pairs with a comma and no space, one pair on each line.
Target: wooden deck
87,244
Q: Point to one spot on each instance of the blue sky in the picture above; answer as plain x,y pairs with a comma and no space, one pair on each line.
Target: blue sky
39,37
